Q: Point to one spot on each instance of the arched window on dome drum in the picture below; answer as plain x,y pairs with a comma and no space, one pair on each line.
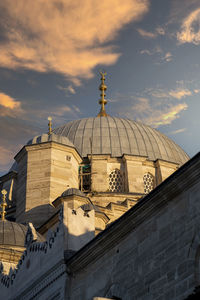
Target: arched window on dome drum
148,180
116,182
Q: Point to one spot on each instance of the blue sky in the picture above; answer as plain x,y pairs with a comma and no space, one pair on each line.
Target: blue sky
51,52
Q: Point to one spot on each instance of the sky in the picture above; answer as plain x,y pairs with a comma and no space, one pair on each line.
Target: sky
51,53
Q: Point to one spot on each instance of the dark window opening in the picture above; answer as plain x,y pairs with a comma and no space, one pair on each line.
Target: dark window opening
85,178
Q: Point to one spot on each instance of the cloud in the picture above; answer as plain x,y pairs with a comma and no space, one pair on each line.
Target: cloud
68,90
151,35
146,34
167,57
156,50
62,110
148,110
178,131
64,36
178,93
9,106
190,28
156,114
8,102
160,30
170,115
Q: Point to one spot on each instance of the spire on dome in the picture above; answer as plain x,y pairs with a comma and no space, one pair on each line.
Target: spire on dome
102,101
3,205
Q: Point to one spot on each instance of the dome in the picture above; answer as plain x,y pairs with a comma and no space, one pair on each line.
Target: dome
14,234
50,138
72,191
117,136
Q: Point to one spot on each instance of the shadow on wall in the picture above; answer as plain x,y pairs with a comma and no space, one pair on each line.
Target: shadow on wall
38,215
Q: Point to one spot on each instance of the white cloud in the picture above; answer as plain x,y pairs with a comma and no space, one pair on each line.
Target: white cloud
70,89
64,36
156,114
190,28
177,93
167,57
148,110
178,131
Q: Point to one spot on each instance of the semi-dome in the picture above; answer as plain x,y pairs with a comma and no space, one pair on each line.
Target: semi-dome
50,138
118,136
14,234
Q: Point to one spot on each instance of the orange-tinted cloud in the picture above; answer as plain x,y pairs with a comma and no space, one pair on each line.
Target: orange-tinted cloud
151,35
8,101
190,28
9,106
64,36
146,34
180,93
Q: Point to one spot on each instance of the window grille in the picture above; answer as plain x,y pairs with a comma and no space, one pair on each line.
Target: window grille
148,183
116,181
85,178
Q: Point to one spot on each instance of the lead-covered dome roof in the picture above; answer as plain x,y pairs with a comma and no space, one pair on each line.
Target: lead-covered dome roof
14,234
117,136
50,138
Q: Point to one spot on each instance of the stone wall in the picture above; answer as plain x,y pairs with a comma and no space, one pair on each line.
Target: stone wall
132,168
152,252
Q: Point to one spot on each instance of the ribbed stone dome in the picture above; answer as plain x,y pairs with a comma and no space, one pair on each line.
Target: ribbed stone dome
117,136
13,234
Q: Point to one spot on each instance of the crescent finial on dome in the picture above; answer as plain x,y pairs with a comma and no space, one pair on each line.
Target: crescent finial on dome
3,205
102,101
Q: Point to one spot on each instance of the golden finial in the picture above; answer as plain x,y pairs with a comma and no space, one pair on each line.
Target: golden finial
50,125
3,205
102,101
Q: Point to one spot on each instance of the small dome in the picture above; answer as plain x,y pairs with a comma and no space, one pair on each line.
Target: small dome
14,234
117,136
72,191
50,138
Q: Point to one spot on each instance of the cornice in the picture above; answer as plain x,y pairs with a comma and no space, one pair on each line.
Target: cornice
165,163
48,145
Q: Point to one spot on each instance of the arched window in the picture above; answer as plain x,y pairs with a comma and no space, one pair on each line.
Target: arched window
116,184
148,183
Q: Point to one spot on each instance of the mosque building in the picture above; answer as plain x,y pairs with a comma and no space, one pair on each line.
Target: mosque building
100,208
